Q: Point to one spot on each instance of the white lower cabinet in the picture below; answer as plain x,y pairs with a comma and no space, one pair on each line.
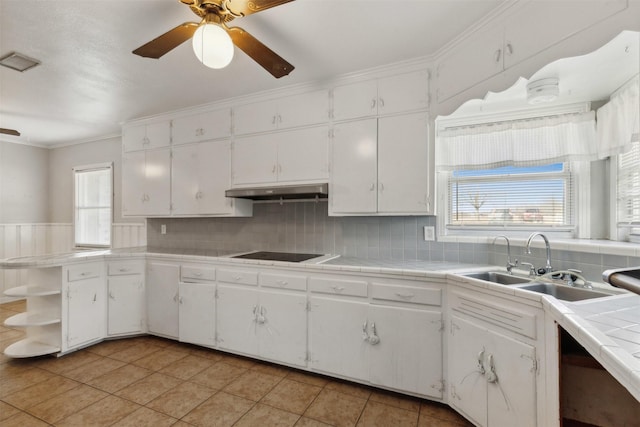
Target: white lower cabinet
84,290
126,298
162,298
197,313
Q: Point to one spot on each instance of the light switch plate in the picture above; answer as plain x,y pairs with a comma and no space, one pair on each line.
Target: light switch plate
429,233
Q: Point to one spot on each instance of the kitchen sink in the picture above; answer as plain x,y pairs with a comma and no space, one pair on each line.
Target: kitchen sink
498,277
564,292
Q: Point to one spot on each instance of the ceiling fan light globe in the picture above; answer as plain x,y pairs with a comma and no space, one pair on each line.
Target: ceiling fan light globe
213,46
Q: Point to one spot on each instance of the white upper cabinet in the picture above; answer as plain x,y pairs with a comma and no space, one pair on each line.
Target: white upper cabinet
142,137
530,29
381,166
291,156
287,112
200,175
395,94
146,182
201,127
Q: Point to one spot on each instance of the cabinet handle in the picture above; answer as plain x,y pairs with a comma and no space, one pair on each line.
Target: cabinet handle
374,338
481,362
373,103
365,334
509,49
175,297
111,295
337,289
237,278
146,141
498,55
372,187
381,102
273,120
95,297
492,377
273,170
180,300
405,296
282,282
381,187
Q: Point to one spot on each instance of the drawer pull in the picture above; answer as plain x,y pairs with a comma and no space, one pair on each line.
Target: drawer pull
123,270
197,274
405,296
236,278
337,289
282,282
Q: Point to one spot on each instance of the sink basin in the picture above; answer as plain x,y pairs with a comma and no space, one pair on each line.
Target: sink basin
564,292
498,277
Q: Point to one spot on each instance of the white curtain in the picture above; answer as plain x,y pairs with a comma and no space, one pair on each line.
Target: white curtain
619,120
530,142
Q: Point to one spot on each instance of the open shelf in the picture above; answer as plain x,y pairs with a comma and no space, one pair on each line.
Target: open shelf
30,347
31,291
31,319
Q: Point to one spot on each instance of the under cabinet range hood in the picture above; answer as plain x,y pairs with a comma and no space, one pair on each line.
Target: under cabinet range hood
281,192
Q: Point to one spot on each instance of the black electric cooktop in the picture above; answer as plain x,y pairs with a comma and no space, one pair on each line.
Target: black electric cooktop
278,256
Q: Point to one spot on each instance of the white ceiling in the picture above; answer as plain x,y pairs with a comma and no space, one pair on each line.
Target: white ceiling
89,82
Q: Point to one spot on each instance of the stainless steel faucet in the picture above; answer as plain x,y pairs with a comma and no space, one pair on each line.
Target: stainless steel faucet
547,268
510,265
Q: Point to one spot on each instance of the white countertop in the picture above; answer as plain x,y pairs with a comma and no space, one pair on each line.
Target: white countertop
609,328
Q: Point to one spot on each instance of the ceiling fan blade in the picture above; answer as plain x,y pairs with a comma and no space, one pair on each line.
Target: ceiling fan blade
9,132
247,7
268,59
168,41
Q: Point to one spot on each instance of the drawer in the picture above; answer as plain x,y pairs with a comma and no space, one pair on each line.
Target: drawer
83,272
284,281
188,273
412,294
242,277
121,268
356,288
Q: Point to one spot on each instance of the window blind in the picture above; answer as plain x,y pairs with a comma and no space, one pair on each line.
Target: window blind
93,201
628,184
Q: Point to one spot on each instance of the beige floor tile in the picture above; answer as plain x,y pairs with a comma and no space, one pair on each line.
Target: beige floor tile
22,419
66,404
395,399
107,348
119,378
68,362
221,410
40,392
180,400
18,305
263,415
252,385
205,353
271,369
438,411
218,375
7,411
380,415
21,378
94,369
187,367
148,388
239,361
159,359
308,378
291,396
308,422
145,417
336,408
135,351
101,413
352,389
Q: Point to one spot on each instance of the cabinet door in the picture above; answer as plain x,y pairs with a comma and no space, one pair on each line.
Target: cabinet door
202,127
511,397
467,350
158,182
197,313
158,135
162,299
303,155
133,183
283,327
134,138
126,305
185,180
354,167
409,354
355,100
85,311
403,164
256,117
303,109
254,160
404,92
237,319
336,337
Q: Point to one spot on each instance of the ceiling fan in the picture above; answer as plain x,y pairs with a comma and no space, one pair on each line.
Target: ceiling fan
220,13
9,132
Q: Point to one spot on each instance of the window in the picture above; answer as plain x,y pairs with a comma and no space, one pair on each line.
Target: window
628,191
511,197
93,205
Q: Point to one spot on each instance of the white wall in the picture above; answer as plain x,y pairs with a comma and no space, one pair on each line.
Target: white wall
62,160
24,191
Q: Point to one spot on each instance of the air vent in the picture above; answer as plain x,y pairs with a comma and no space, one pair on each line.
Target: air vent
19,62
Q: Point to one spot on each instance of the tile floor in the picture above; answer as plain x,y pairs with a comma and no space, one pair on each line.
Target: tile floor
149,381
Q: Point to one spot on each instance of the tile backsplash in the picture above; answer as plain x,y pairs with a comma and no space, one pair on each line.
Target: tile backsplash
307,227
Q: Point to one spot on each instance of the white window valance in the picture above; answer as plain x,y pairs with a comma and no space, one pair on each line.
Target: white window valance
528,142
619,120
